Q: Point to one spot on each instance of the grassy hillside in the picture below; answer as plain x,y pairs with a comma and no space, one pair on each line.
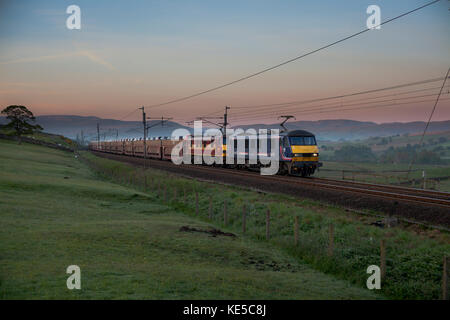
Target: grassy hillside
414,253
380,144
378,171
437,175
56,212
45,137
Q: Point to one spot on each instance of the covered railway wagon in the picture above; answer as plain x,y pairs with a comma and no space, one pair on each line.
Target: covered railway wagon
298,151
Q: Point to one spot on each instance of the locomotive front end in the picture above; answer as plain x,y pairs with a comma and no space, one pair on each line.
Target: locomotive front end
300,153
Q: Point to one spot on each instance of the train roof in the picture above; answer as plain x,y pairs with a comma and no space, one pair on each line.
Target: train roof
300,133
293,133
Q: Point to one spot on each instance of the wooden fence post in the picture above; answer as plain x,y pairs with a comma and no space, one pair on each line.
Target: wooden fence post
196,202
244,218
296,230
424,180
383,258
330,239
225,218
445,273
210,208
391,215
268,224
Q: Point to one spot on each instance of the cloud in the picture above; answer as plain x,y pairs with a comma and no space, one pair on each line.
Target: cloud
39,59
80,53
94,58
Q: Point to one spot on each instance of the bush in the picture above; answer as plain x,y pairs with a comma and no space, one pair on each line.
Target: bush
356,153
408,153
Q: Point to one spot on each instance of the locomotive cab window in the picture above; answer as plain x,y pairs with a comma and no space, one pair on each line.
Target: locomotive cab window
302,141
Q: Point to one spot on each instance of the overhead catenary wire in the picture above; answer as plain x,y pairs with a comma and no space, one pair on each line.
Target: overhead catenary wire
292,59
335,105
331,106
287,106
213,112
288,103
295,108
128,114
243,111
343,105
348,109
428,122
241,115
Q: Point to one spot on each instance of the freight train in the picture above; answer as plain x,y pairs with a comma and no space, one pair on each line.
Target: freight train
298,151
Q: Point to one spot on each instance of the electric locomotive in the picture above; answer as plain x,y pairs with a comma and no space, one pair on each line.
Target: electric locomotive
298,151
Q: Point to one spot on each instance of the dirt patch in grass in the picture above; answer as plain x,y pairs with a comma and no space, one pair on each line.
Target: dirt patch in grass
213,232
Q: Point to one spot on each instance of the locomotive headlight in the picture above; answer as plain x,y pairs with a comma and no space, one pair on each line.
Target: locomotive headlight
315,154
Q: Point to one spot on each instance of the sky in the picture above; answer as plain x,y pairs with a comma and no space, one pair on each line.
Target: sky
136,53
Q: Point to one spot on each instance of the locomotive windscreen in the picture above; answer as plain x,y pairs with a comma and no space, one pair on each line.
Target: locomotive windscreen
302,141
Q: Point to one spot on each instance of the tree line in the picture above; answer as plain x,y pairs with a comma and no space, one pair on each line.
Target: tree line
392,155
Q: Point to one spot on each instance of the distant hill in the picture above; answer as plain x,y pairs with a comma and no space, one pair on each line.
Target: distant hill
335,130
332,130
71,126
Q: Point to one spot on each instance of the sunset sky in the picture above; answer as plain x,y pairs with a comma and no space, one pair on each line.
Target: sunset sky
133,53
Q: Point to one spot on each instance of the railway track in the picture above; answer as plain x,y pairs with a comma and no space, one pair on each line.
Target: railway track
405,203
412,191
387,192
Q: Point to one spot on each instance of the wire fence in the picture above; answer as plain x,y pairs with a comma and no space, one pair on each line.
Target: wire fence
319,241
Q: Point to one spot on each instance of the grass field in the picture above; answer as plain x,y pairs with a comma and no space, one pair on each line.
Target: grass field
414,255
437,176
430,141
45,137
57,212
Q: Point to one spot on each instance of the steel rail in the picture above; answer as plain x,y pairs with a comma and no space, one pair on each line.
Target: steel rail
356,188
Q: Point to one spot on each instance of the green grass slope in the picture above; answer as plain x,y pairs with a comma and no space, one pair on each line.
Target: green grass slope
56,212
414,255
45,137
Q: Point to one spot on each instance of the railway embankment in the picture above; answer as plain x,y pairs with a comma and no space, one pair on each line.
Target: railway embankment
327,237
409,204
